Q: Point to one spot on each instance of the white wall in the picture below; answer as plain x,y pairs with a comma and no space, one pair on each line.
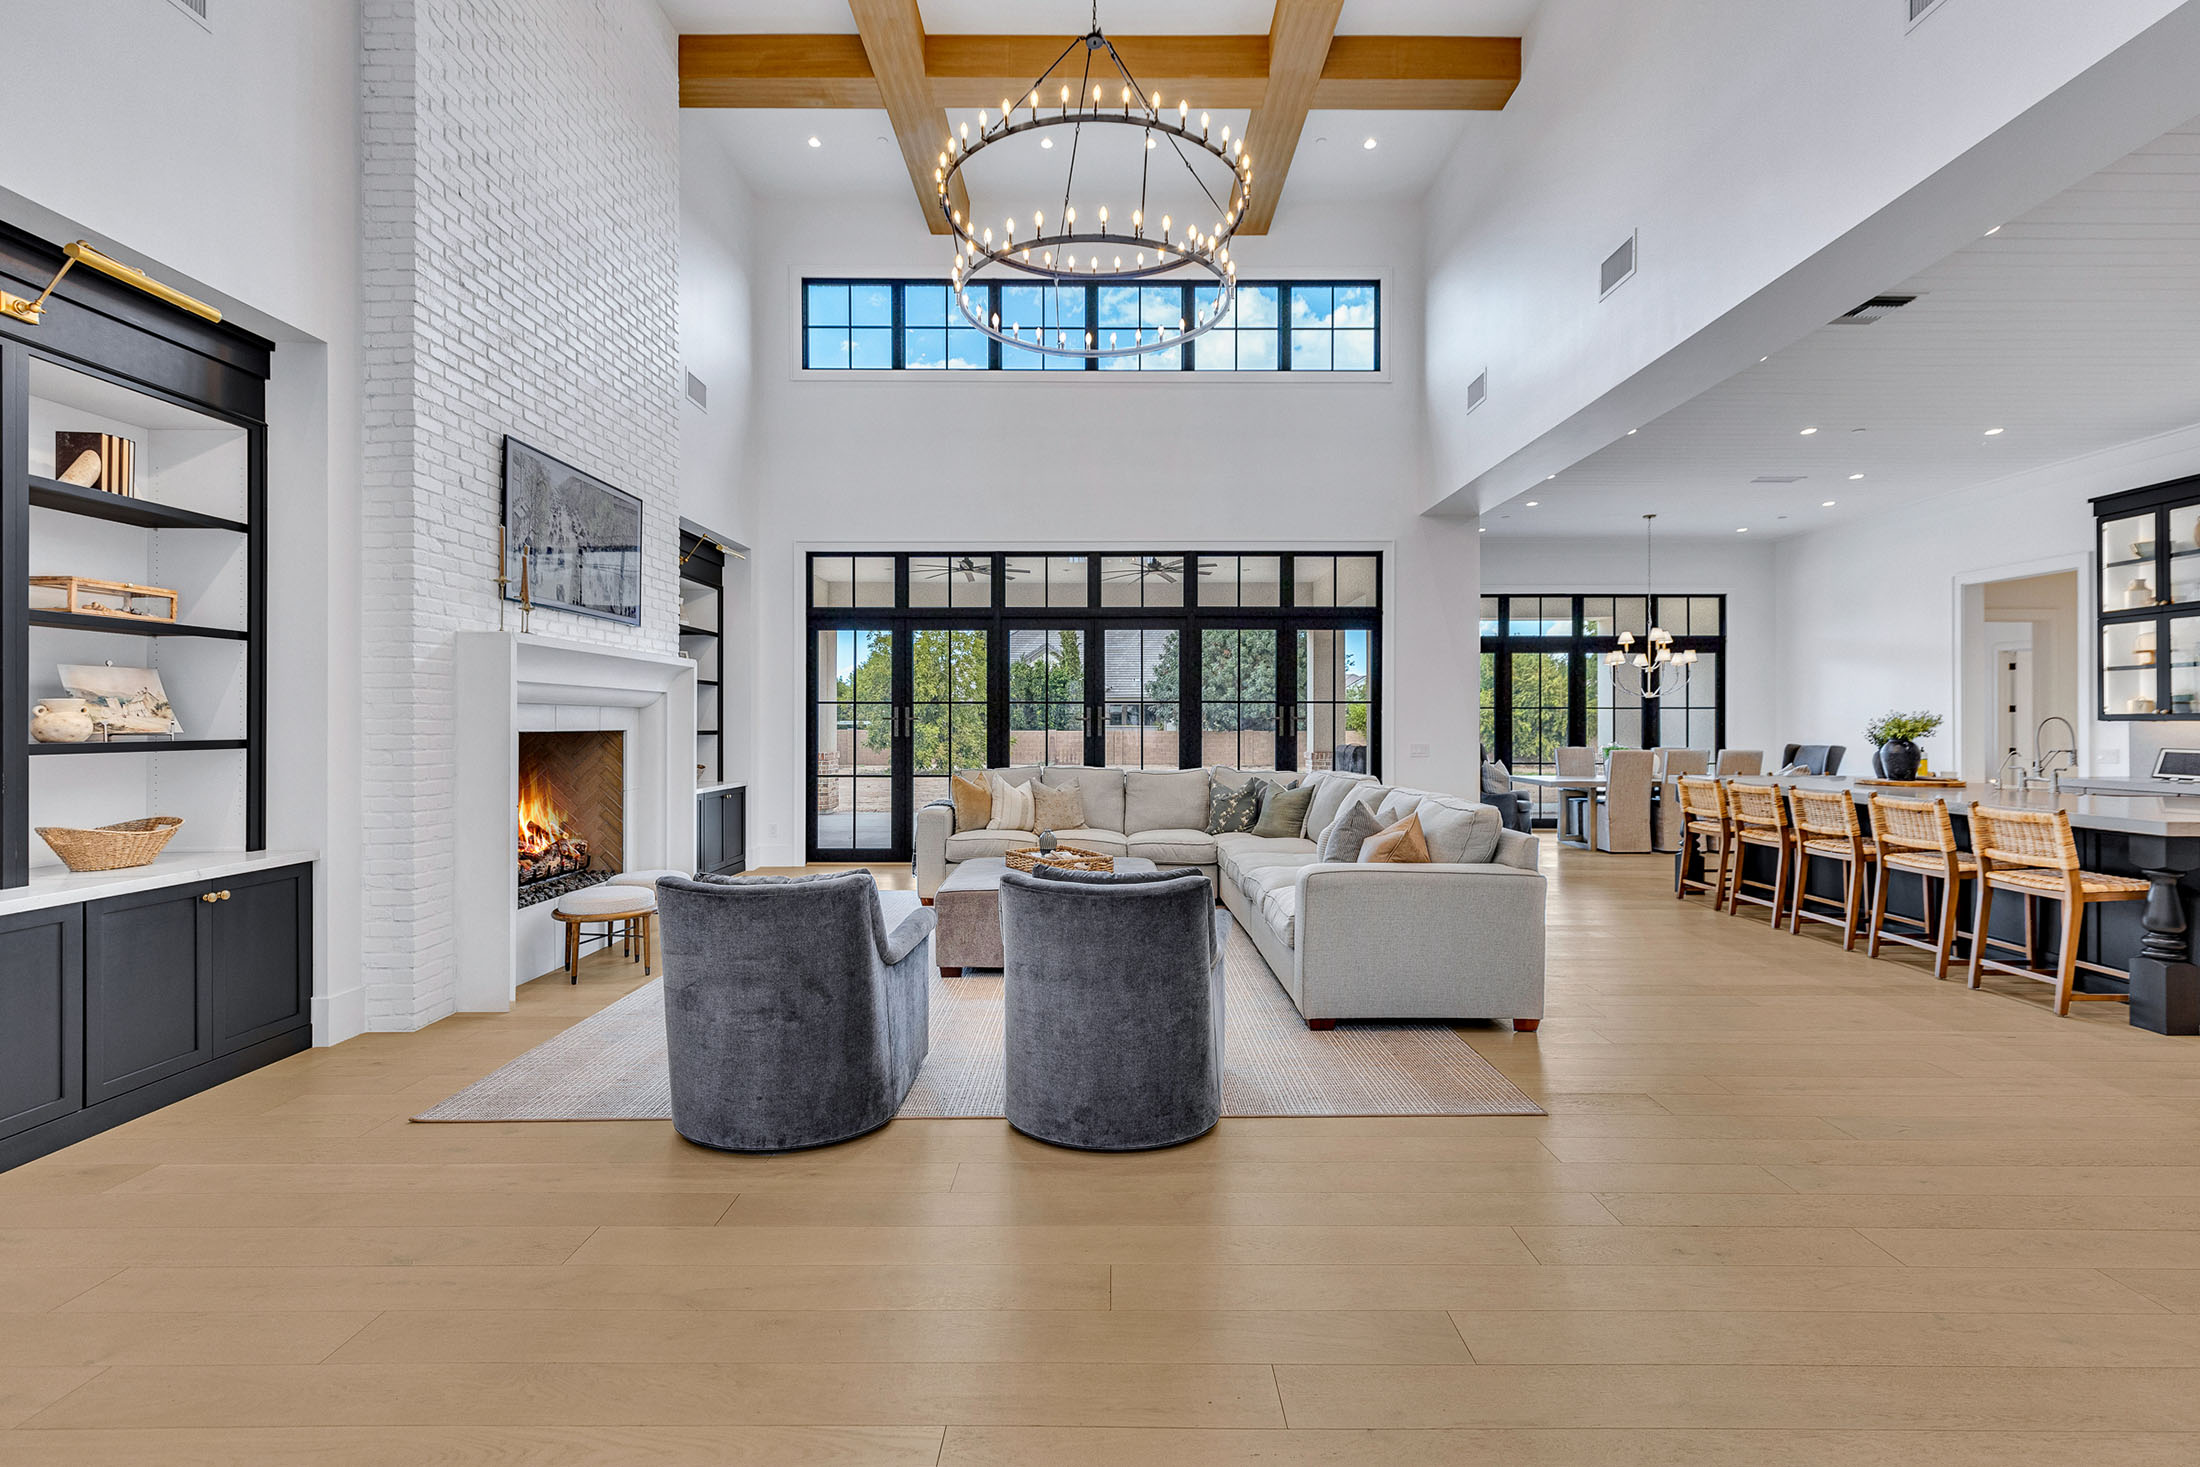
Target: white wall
717,344
1753,146
1869,612
522,225
225,161
1613,566
1133,461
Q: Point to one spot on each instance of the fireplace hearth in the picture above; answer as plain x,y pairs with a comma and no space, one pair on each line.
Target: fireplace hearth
572,793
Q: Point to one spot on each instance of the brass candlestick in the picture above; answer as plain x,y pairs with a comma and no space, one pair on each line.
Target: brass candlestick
526,596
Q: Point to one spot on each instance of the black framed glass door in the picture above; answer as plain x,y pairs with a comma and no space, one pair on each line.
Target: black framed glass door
856,742
1053,694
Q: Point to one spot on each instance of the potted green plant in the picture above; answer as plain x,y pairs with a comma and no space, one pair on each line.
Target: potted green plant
1895,736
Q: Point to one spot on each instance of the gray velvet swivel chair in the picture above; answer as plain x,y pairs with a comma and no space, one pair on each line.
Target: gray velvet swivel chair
796,1008
1113,996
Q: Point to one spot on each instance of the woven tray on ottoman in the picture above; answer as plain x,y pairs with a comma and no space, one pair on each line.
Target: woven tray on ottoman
1069,858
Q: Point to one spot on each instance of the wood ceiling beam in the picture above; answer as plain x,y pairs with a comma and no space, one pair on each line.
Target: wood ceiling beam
893,39
1298,48
1360,73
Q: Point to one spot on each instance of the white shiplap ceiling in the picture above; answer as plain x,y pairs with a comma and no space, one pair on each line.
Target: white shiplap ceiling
856,156
2073,329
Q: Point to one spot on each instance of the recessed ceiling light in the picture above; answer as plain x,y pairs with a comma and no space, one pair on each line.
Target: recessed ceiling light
1369,144
815,143
1632,431
1993,432
1484,530
1743,530
1825,504
1046,142
1548,477
1319,141
1531,504
1764,359
1808,431
1854,477
1994,231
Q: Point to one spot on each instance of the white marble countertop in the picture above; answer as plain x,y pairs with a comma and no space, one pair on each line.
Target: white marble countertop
57,886
2133,814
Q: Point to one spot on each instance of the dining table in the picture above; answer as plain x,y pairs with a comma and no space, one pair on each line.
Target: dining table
1588,785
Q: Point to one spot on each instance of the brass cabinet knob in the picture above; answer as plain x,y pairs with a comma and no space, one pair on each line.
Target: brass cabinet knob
214,896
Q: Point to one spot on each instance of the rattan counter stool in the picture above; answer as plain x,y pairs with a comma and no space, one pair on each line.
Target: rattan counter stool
2033,852
1759,818
1826,829
1917,837
1707,836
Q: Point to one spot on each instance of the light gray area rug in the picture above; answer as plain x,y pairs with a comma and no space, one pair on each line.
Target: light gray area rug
611,1066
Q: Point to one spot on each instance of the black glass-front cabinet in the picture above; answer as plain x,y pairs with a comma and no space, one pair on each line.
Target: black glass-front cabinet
2147,551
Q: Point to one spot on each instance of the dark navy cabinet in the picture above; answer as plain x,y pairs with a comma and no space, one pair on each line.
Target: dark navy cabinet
722,832
115,1007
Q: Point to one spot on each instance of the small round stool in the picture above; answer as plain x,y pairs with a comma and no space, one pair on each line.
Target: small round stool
611,904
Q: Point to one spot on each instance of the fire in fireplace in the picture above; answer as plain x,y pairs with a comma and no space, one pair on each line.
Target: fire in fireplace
571,808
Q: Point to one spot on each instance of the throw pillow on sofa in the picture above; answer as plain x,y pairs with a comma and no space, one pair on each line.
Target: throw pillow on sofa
1332,787
1401,844
1232,809
1057,807
1353,828
1458,832
1283,812
1176,800
973,801
1012,805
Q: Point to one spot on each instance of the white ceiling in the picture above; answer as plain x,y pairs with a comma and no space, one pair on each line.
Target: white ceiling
856,156
2073,328
1127,17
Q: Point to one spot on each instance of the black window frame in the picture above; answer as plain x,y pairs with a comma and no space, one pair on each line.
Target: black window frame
1186,353
1583,649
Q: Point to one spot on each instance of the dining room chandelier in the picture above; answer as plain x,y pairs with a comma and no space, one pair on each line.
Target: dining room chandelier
1660,672
1062,251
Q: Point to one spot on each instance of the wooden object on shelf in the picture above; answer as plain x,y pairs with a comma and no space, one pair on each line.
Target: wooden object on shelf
111,847
113,467
1069,858
89,596
1935,781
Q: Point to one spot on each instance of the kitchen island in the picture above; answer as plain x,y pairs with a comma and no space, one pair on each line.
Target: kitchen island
2147,834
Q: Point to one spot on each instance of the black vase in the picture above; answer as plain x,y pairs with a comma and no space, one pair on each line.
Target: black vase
1898,758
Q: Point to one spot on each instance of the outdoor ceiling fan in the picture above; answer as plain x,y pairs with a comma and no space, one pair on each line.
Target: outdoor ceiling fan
970,569
1154,565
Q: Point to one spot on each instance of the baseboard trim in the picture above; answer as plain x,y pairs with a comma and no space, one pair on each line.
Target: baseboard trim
339,1016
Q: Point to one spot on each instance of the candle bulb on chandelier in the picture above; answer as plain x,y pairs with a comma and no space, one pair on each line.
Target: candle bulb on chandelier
1203,127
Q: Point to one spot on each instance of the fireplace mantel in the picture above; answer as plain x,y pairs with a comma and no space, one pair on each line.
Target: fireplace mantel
649,694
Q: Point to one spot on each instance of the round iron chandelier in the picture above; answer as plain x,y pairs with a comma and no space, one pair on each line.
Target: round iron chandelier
1060,250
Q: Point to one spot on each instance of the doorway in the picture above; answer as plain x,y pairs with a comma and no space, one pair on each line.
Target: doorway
2020,670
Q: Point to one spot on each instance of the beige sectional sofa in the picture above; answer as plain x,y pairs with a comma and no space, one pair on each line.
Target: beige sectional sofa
1459,937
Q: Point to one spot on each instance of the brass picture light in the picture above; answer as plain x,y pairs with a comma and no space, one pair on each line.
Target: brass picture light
30,312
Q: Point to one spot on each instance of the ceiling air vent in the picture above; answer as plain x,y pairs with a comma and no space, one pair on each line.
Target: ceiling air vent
1872,310
1619,266
1779,478
196,9
1478,389
697,392
1919,9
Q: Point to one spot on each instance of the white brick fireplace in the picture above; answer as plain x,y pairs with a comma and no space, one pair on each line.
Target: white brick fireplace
508,684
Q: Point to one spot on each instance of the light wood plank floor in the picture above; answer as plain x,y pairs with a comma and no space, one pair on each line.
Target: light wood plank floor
1790,1207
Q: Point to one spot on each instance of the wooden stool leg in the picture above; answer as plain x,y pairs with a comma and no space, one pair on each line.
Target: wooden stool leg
649,944
1779,882
1852,905
1978,926
1727,854
573,950
2066,963
1795,913
1951,902
1879,912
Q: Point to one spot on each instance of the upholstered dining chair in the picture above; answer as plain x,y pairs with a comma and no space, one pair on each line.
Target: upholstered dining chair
1739,761
797,1008
1623,806
1113,1006
1575,761
2033,853
1671,830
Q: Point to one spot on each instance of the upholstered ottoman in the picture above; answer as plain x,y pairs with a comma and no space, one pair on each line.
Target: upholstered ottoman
969,907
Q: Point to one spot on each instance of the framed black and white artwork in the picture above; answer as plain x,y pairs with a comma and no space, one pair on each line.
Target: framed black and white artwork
580,539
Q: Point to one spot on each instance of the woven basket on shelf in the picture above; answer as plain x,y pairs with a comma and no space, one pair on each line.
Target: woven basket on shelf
111,847
1069,858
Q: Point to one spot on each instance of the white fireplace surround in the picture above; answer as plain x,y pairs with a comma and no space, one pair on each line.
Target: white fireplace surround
507,684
